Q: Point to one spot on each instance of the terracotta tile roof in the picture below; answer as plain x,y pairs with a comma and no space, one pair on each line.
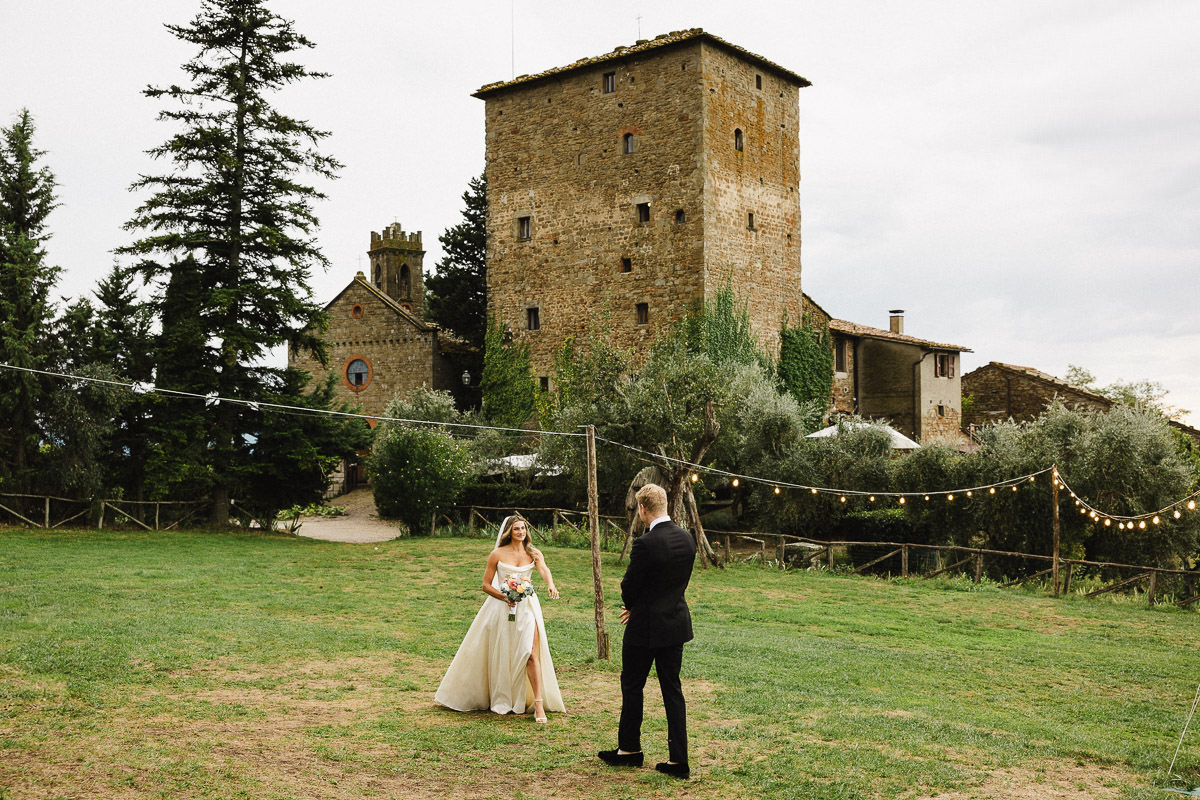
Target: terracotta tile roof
642,46
854,329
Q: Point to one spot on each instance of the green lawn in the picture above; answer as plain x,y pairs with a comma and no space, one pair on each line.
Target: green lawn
200,665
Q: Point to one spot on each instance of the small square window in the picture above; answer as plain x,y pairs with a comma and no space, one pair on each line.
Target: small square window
750,221
839,355
758,81
532,320
610,82
524,227
643,212
626,265
941,410
643,313
627,143
680,217
544,383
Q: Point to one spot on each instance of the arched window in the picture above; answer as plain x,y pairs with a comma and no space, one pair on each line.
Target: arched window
627,143
405,282
739,142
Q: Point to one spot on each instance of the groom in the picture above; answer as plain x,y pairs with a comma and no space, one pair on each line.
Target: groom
657,623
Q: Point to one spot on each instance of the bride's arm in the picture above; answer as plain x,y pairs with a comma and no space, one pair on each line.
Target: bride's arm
544,571
488,574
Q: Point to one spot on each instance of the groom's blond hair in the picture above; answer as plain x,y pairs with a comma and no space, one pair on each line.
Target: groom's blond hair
653,498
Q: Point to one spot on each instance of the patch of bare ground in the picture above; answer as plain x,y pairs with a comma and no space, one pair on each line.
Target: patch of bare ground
1049,782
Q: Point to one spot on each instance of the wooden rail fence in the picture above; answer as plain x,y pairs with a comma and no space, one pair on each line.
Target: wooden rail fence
818,550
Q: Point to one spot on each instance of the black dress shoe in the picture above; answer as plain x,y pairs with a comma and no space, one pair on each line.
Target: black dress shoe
615,759
674,770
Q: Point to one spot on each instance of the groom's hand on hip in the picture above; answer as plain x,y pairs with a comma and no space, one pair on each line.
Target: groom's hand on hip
624,615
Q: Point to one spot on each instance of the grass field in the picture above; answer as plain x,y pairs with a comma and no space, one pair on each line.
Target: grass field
201,665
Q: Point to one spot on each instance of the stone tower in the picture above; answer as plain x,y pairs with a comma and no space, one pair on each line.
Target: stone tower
625,187
397,267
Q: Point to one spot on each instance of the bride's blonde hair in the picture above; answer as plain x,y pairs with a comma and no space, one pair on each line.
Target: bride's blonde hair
505,536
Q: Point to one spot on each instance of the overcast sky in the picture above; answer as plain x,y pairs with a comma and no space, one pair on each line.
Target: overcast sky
1023,178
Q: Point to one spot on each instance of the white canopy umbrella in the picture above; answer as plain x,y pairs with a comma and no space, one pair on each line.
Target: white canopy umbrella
899,440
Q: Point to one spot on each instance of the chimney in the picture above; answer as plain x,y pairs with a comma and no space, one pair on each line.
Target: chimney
897,320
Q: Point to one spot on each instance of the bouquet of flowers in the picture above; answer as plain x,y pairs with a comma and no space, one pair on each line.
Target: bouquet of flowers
516,589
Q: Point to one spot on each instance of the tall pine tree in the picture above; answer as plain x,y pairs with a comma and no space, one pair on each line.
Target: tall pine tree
235,204
458,291
26,307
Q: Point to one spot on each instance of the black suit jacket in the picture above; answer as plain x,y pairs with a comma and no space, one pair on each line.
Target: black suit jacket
660,566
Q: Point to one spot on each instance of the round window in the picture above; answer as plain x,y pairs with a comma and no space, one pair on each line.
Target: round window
356,311
358,373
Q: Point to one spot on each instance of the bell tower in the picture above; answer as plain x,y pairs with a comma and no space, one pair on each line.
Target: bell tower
396,267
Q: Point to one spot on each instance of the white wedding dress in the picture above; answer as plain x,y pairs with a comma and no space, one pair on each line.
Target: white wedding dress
488,671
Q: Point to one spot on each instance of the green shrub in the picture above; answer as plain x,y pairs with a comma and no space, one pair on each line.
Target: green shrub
417,470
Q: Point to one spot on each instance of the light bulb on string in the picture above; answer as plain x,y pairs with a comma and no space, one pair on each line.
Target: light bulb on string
1177,514
969,493
1191,505
776,490
735,483
992,490
842,498
1014,488
873,500
695,477
927,498
814,491
949,498
1155,520
1142,524
902,501
1107,522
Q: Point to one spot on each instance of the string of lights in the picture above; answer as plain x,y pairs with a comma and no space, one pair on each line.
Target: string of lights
213,399
1171,511
736,479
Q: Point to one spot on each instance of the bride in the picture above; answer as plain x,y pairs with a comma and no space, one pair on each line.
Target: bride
502,665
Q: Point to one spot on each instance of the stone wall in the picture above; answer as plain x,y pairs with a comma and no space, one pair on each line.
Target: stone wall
401,355
556,155
1000,394
762,179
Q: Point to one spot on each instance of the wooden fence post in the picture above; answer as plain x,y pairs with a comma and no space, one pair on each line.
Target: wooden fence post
904,561
978,567
728,555
594,530
47,525
1067,578
1057,526
1150,586
471,522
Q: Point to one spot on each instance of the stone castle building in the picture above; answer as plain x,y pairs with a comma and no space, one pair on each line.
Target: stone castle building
379,342
623,188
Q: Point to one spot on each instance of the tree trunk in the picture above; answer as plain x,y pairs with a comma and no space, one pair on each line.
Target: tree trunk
707,556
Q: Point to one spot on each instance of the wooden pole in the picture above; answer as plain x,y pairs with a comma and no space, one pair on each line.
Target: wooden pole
1057,529
47,525
594,531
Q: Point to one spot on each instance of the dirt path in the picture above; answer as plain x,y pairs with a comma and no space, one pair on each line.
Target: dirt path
360,525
